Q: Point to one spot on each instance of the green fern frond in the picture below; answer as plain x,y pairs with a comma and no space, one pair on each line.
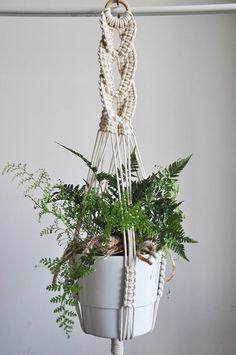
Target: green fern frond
48,230
178,249
87,162
176,167
189,240
134,163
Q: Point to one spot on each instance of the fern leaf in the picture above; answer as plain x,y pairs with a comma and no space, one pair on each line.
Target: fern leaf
189,240
134,163
180,250
87,162
176,167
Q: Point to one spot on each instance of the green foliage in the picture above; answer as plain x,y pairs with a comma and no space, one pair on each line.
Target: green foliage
67,286
87,162
80,215
175,168
157,195
134,164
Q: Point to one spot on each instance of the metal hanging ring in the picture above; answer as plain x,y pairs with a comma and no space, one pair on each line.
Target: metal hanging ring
110,3
118,4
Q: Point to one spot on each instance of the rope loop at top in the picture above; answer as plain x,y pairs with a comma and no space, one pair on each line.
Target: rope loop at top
118,22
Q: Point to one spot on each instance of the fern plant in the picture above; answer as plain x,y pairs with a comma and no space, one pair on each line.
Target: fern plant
91,221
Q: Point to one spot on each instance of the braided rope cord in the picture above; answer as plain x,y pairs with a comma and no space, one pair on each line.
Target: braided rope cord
160,288
116,118
118,107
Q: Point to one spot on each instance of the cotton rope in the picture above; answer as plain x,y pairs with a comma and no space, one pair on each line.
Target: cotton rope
117,347
118,107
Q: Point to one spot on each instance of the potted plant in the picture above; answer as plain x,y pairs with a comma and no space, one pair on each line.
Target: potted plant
89,225
117,228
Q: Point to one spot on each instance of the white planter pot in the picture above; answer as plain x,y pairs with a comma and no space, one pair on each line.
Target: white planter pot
101,296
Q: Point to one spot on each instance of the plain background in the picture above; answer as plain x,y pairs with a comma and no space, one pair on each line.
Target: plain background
186,81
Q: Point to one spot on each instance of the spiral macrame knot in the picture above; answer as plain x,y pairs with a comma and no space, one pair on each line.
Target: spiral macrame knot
130,278
117,347
161,282
107,124
125,128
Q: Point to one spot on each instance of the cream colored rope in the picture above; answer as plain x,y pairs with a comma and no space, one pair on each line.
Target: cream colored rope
160,287
117,347
118,107
118,104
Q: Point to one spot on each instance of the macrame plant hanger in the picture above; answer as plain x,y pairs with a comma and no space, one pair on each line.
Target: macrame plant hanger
115,129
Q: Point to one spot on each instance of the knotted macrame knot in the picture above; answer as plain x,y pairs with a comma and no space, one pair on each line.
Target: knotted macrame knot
161,282
125,128
108,124
130,278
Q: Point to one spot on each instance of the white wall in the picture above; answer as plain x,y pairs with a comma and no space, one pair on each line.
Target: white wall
186,82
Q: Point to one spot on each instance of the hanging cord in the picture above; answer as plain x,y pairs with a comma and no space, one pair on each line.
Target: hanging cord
118,107
117,347
172,265
118,110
